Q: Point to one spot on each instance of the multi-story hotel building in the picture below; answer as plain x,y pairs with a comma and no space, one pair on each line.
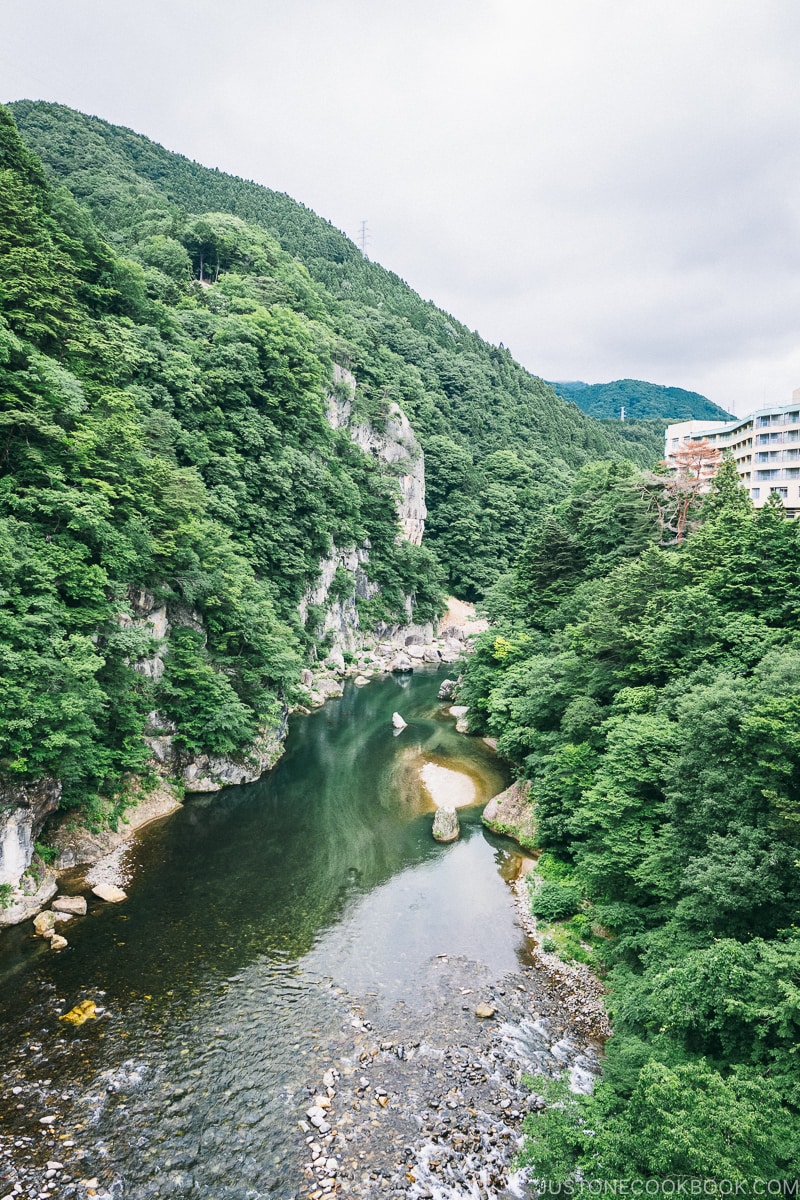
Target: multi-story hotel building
765,446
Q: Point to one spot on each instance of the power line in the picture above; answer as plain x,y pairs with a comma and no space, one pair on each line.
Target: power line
363,237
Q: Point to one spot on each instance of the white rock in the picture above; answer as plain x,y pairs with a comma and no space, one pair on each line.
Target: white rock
416,652
109,893
398,721
458,710
74,905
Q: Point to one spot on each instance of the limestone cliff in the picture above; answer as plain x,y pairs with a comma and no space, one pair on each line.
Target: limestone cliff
396,446
24,807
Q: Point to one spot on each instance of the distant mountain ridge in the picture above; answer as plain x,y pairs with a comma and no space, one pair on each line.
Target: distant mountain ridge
641,401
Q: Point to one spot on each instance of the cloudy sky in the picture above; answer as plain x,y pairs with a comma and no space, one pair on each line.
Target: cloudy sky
609,187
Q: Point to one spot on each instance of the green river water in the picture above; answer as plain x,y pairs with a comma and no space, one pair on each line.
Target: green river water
253,916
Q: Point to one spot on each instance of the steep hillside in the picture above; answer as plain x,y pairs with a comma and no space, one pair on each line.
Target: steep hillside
640,400
498,442
170,482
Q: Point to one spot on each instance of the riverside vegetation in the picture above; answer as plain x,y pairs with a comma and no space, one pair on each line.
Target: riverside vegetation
165,361
167,339
651,697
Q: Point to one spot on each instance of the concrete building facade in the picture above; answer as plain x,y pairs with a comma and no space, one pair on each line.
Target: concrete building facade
765,446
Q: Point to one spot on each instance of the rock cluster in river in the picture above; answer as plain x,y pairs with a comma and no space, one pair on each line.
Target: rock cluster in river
430,1101
407,652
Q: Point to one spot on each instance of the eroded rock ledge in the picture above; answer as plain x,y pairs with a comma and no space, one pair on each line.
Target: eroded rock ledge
511,813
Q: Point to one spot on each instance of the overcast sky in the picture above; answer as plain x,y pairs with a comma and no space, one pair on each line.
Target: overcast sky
609,187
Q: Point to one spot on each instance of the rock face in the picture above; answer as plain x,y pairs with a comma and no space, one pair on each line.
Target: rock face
396,444
76,846
445,825
448,689
23,810
24,807
511,813
208,772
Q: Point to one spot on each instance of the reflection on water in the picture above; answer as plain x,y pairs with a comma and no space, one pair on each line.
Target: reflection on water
213,974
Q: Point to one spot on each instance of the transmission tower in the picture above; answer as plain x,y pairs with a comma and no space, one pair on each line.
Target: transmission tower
363,238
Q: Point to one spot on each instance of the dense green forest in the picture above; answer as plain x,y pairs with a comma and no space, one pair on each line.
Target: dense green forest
651,696
641,401
499,444
159,433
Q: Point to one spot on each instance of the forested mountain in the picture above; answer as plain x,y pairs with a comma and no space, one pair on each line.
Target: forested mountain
498,442
640,400
651,696
166,435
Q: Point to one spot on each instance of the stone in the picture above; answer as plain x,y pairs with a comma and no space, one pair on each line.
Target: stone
398,722
447,690
400,664
330,689
109,893
361,681
458,710
462,725
485,1010
74,905
430,654
57,942
335,661
307,677
86,1010
511,813
445,825
417,652
448,657
44,924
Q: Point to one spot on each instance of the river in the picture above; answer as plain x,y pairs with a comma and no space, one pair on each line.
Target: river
304,923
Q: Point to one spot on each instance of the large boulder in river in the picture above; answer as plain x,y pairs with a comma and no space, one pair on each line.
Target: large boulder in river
445,825
398,721
414,651
74,906
400,664
511,813
448,689
109,892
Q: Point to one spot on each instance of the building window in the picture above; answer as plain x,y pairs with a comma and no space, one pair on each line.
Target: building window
783,493
675,443
756,493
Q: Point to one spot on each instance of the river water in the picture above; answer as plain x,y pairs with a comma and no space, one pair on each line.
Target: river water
261,924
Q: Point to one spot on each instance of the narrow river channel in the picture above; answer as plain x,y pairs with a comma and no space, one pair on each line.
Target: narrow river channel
266,928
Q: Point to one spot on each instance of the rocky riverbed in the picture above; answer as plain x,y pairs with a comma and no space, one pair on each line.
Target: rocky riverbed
429,1102
271,1015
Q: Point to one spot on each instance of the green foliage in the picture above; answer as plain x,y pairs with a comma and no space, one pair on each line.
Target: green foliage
641,400
680,1123
554,901
162,431
651,698
498,442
